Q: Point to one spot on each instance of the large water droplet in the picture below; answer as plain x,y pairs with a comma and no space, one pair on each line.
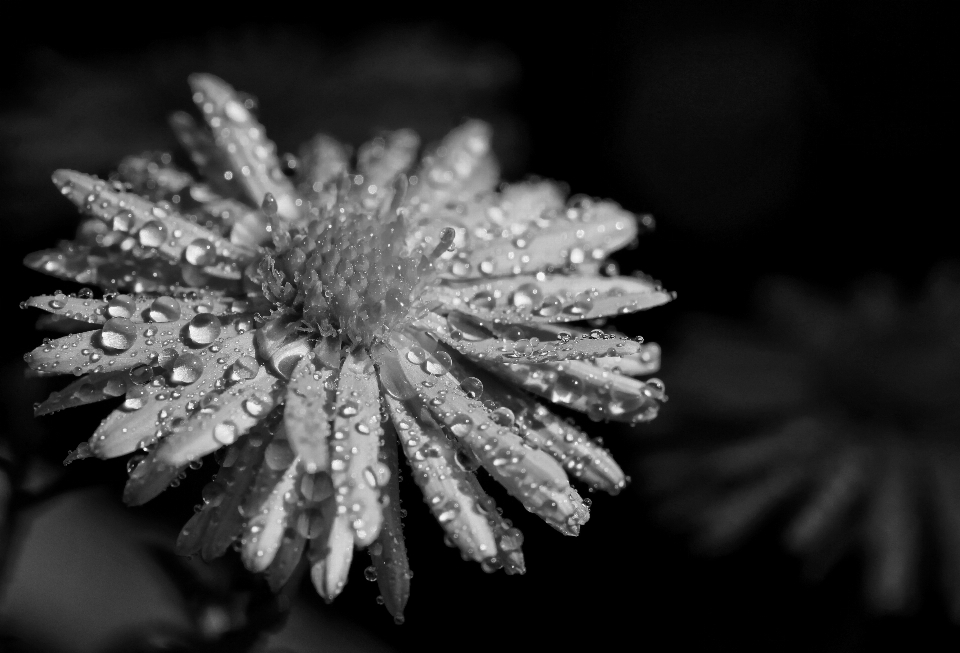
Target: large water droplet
482,301
255,406
439,365
121,306
503,416
472,386
200,252
460,424
164,309
349,408
225,432
152,234
118,334
278,455
186,369
204,328
245,368
136,399
417,355
551,306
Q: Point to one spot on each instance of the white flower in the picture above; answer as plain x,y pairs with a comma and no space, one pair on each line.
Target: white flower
355,311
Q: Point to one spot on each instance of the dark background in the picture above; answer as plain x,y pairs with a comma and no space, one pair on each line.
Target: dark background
800,138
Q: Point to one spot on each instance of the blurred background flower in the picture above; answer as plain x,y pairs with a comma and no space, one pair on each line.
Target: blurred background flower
800,139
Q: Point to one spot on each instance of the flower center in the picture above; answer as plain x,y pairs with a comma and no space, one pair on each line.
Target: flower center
349,273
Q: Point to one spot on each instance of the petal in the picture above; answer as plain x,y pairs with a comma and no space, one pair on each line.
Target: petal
356,472
462,167
267,526
190,539
212,163
237,133
322,161
287,558
382,159
580,456
87,390
155,177
170,233
592,230
329,574
530,475
310,398
946,492
553,298
204,433
389,552
136,307
601,393
522,343
450,488
155,408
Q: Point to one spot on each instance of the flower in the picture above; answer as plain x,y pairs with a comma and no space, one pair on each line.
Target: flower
845,432
352,313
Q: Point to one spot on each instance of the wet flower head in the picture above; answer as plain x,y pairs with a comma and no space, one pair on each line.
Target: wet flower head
305,320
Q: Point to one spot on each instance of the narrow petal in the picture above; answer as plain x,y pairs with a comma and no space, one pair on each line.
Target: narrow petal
231,415
268,522
287,558
389,552
136,308
357,474
511,343
530,475
237,132
450,488
213,164
382,159
462,167
329,574
155,177
839,489
310,398
580,456
154,407
190,539
552,297
600,393
322,161
86,390
592,230
154,226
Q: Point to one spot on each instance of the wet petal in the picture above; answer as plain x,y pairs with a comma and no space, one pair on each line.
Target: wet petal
204,433
252,156
450,489
154,407
154,226
310,398
322,161
461,168
329,574
531,476
87,390
267,522
355,469
382,159
213,164
592,230
389,552
288,556
552,298
136,307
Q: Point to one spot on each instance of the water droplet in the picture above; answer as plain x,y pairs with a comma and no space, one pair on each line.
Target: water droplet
417,355
136,399
503,416
551,306
370,573
245,368
225,432
349,408
439,365
482,301
204,328
118,334
164,309
278,455
200,252
526,295
121,306
186,369
152,234
115,387
460,424
472,386
255,406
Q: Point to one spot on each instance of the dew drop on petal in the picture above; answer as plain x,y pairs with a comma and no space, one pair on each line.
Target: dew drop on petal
526,295
439,365
152,234
186,369
278,455
200,252
118,334
472,386
255,406
164,309
460,424
417,355
225,432
245,368
121,306
136,399
503,416
551,306
204,328
349,408
482,301
370,573
115,387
